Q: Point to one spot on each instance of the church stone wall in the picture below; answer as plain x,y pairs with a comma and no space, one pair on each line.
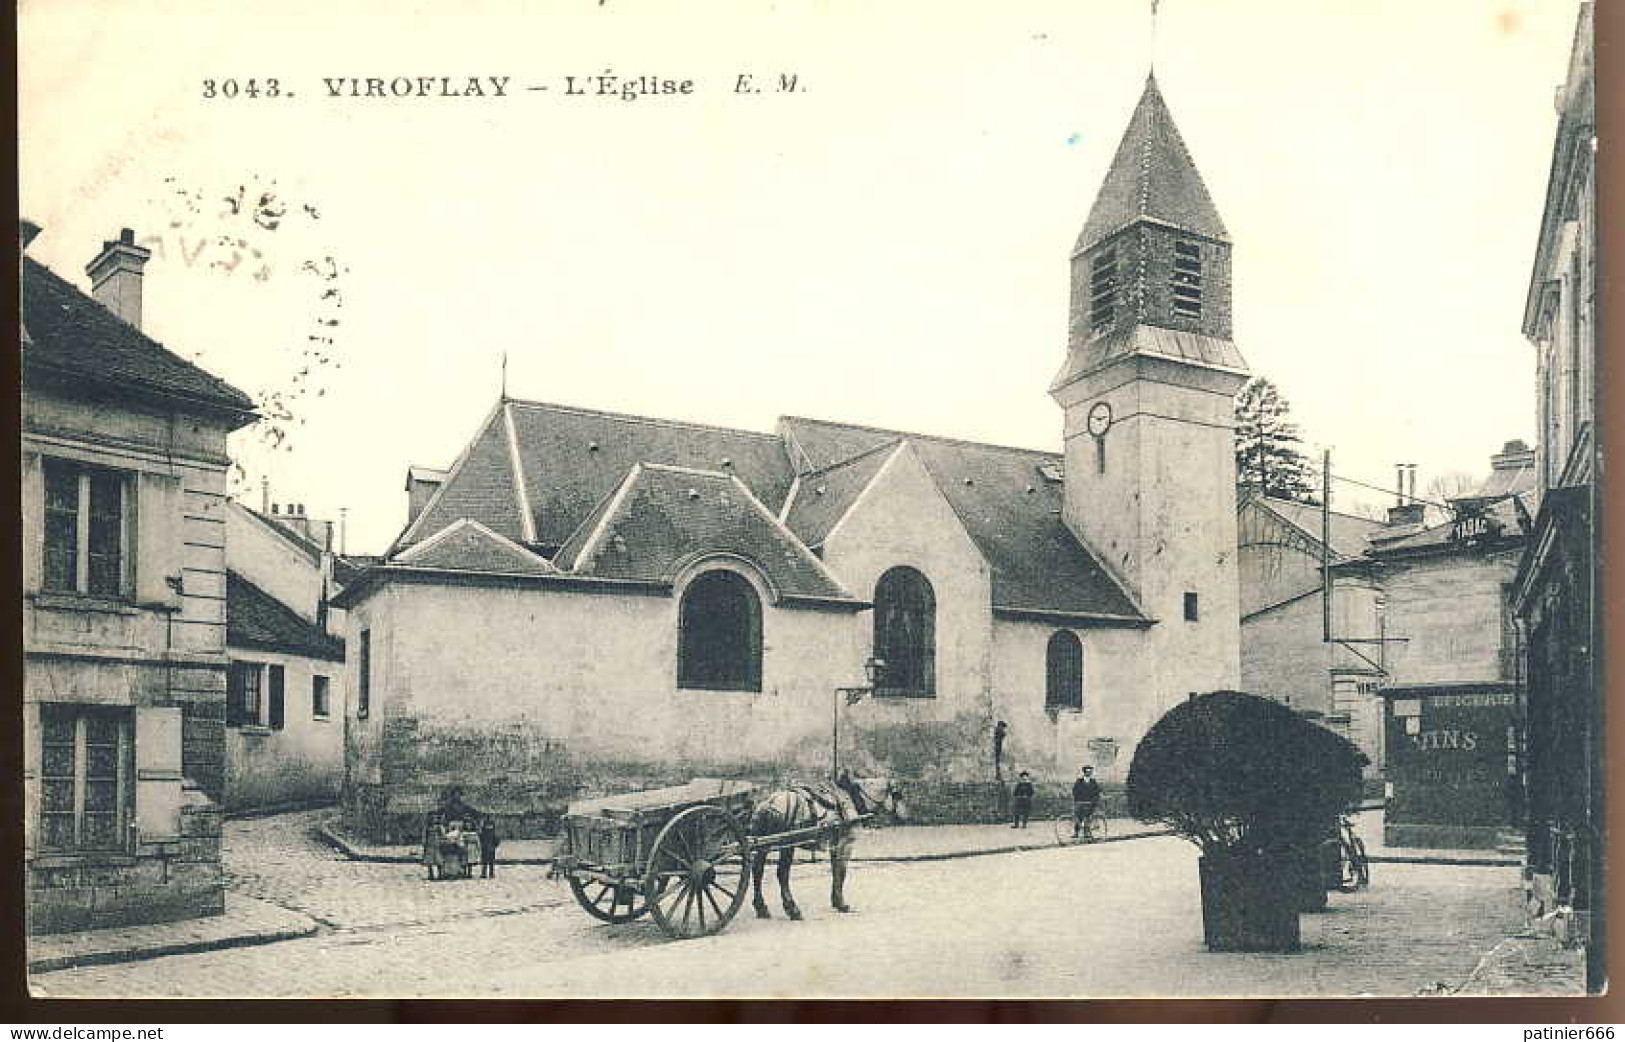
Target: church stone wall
1054,743
904,520
526,698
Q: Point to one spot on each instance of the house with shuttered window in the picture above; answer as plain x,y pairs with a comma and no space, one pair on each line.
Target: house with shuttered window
285,685
123,496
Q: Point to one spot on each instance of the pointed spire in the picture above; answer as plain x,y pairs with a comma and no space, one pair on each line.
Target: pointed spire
1153,178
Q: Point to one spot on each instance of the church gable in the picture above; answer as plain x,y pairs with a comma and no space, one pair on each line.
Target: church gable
480,487
572,459
664,518
823,497
469,546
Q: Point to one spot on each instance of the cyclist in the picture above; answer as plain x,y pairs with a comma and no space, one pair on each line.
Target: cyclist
1085,798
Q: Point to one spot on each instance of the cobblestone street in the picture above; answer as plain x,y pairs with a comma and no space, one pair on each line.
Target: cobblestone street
280,860
1117,919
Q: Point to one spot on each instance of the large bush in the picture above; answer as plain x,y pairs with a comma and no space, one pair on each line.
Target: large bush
1236,773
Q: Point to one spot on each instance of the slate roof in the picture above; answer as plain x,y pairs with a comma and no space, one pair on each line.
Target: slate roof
1010,511
480,486
70,334
1152,176
1149,340
662,517
569,459
822,497
1349,533
466,545
608,502
1507,481
255,619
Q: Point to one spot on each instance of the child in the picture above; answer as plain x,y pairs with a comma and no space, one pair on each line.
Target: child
488,847
1023,801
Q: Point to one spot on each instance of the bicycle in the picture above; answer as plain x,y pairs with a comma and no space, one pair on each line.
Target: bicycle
1354,870
1093,829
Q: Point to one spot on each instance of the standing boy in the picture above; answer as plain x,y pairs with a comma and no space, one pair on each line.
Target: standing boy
488,847
1023,799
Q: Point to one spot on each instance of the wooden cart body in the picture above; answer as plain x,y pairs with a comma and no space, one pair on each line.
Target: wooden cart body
681,853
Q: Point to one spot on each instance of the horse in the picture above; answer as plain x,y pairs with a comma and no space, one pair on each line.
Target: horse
804,806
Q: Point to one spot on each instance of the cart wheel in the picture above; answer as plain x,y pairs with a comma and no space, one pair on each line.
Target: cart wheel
612,904
696,878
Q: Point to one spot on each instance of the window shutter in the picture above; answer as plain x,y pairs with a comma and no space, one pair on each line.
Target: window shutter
276,710
157,543
158,773
33,492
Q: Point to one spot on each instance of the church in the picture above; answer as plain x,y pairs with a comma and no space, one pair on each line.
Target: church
587,602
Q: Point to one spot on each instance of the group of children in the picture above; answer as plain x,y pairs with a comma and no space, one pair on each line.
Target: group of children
453,812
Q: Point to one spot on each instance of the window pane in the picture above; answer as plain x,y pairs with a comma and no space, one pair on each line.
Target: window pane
106,532
101,796
101,728
57,830
57,795
101,831
720,639
56,723
61,526
905,625
57,761
101,761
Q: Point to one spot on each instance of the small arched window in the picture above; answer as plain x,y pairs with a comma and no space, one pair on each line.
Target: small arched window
906,633
719,639
1063,671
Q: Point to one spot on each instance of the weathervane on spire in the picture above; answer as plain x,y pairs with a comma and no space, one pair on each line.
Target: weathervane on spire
504,391
1153,61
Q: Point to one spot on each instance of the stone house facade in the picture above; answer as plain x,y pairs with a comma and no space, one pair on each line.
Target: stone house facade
286,687
587,602
123,460
1559,582
1453,728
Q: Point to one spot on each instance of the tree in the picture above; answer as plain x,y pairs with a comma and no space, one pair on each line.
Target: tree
1267,456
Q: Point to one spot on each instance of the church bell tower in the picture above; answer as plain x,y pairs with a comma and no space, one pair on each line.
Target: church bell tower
1148,389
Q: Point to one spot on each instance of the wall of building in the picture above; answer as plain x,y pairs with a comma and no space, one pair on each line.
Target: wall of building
947,735
272,563
525,698
300,763
1054,743
303,762
155,651
528,697
1447,616
1171,527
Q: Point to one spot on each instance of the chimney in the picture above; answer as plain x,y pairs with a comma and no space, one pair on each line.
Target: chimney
1405,514
1514,455
421,485
115,277
1399,487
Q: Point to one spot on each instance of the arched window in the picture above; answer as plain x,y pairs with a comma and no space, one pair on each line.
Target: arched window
1063,671
719,639
906,633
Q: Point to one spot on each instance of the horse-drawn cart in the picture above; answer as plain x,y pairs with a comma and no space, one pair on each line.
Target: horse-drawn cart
681,854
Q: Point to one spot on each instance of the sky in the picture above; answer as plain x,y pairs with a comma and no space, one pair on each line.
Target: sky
887,244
